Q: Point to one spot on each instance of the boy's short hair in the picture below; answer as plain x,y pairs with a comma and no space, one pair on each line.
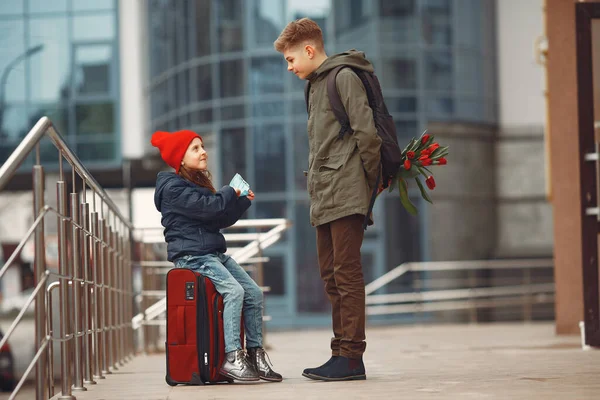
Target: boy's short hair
297,32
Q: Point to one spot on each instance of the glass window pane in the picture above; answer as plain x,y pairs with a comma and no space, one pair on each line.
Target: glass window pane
299,108
406,130
436,22
439,107
204,82
400,72
12,62
469,71
471,109
95,119
40,6
233,153
233,112
94,27
158,100
159,40
231,27
399,23
11,7
397,8
401,104
438,70
274,273
266,75
92,69
14,123
268,109
88,5
96,150
268,20
57,113
50,66
203,24
232,78
202,116
269,158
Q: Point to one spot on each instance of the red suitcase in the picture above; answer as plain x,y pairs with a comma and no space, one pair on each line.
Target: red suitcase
195,344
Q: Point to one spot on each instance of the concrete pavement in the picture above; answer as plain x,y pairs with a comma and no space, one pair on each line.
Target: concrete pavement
496,361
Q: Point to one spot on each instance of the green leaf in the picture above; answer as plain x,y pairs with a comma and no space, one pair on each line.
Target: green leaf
423,191
422,172
427,169
404,199
439,151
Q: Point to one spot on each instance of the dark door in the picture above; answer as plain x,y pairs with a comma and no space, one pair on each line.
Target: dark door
588,86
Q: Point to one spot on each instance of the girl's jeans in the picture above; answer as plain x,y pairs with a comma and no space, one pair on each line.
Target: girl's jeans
238,291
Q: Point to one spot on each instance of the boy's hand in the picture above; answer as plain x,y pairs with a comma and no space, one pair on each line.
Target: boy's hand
237,192
250,195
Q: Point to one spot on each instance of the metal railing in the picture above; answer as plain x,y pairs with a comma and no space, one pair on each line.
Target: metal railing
93,276
459,285
153,268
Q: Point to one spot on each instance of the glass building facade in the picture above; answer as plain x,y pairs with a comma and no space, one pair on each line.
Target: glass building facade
60,59
213,69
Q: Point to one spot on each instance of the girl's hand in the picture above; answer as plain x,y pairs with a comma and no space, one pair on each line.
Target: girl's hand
250,195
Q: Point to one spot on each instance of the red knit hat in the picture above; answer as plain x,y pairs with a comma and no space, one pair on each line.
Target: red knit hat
173,146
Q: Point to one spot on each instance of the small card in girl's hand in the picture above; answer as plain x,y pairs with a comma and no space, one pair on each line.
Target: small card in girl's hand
239,183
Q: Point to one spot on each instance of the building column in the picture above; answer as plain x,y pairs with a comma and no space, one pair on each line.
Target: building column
133,61
564,151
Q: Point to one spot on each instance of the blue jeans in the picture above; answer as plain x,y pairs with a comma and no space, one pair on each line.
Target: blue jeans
238,291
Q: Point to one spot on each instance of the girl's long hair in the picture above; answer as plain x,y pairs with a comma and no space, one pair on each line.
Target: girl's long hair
200,178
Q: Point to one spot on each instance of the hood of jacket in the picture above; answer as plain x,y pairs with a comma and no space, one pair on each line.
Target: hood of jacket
352,58
162,179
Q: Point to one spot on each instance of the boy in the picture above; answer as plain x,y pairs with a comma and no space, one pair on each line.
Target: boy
341,176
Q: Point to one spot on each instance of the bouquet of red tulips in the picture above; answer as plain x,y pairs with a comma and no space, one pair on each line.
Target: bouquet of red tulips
417,156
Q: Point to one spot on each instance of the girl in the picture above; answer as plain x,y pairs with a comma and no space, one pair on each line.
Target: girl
193,213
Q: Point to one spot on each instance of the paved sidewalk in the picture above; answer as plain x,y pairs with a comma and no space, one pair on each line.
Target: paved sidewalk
496,361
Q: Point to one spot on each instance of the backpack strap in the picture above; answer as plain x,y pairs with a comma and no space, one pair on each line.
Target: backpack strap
336,102
306,94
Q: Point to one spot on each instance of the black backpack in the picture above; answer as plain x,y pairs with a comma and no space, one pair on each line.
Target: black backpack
391,155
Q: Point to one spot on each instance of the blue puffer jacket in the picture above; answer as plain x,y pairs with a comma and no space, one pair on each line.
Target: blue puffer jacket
193,216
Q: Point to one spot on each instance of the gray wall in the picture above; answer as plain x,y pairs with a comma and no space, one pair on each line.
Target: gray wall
463,218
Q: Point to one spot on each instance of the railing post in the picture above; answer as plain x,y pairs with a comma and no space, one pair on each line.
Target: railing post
113,299
87,287
65,309
77,298
130,294
97,265
105,310
39,269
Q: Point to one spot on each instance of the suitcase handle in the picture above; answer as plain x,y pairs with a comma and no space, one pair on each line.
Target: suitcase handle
181,324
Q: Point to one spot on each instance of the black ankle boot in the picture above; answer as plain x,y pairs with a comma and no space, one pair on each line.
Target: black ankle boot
341,369
309,371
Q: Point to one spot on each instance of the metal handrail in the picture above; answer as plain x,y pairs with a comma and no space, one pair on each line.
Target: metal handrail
94,268
45,128
453,298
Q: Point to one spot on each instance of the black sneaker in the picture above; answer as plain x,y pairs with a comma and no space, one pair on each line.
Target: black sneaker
341,369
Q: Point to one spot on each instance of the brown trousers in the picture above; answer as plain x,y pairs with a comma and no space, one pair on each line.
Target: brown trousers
338,248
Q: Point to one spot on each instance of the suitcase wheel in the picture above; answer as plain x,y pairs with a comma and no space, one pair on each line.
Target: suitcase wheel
169,381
